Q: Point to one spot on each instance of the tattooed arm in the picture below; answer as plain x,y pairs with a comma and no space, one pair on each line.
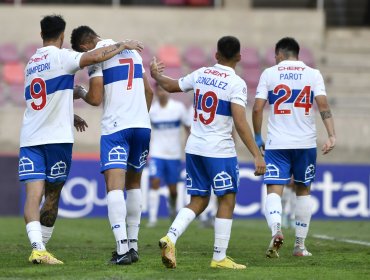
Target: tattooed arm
105,53
328,121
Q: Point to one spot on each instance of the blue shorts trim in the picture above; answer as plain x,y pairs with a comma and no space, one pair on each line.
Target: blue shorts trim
125,149
282,164
49,162
206,173
168,170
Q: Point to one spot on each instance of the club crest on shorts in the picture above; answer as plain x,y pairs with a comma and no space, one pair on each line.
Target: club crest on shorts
272,171
310,172
222,181
60,168
25,165
117,153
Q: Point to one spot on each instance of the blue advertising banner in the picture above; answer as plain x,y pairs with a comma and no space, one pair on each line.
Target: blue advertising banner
339,192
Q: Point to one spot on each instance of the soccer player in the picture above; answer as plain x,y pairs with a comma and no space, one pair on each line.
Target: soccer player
47,131
167,117
220,97
124,145
290,87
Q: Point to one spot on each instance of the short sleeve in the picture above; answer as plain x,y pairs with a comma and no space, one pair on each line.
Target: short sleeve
319,88
239,93
95,70
70,60
262,89
187,83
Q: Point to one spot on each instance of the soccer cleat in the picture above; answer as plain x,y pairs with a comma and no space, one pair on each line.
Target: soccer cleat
124,259
275,244
168,252
134,255
227,263
301,252
43,257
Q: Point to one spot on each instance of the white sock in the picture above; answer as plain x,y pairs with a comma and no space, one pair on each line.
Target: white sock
46,233
181,222
273,210
134,206
117,218
34,235
303,212
153,205
222,237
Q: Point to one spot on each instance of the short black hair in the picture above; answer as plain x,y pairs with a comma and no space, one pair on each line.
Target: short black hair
289,46
228,47
52,26
81,35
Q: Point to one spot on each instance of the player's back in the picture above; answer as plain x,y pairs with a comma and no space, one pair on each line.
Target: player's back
214,89
49,76
290,88
124,93
166,123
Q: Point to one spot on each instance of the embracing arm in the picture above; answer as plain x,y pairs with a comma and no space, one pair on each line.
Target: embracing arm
167,83
94,96
327,118
105,53
245,133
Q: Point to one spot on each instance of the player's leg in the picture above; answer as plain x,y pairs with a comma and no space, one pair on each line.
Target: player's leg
139,149
225,184
198,187
155,173
113,156
277,175
304,174
172,175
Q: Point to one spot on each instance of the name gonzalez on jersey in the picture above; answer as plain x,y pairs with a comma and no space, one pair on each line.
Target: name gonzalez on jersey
212,81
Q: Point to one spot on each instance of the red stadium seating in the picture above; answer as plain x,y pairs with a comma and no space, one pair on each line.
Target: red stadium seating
169,55
29,51
251,77
9,53
305,55
173,72
13,73
195,57
199,2
250,58
147,56
174,2
16,95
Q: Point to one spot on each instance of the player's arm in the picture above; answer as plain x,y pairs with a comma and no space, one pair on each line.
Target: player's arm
79,123
105,53
257,118
94,96
245,133
327,118
167,83
148,92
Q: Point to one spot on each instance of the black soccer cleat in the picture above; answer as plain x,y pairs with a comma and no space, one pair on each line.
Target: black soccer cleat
134,255
124,259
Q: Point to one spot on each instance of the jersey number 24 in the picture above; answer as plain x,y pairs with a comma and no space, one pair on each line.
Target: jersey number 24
303,99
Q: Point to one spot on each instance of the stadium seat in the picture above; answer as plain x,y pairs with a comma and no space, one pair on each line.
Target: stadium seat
29,51
16,95
195,57
250,58
8,53
269,58
147,56
251,77
173,72
174,2
13,73
169,55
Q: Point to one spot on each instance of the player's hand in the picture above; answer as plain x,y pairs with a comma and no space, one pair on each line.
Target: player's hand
79,123
260,143
133,45
79,92
156,67
260,166
329,145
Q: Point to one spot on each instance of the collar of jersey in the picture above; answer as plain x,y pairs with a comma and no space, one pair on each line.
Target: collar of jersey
226,68
289,62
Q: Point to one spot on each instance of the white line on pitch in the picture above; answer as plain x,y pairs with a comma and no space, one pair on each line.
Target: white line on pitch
326,237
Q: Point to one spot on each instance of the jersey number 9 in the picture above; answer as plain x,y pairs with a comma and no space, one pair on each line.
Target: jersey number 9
209,97
38,94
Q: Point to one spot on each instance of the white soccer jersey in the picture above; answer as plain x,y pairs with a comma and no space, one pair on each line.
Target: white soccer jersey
49,76
215,88
290,88
124,94
166,122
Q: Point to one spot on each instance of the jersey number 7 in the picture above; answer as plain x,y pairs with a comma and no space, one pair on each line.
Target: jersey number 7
303,99
130,63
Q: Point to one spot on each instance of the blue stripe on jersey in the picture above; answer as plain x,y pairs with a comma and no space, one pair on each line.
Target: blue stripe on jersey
59,83
223,108
295,92
120,73
166,124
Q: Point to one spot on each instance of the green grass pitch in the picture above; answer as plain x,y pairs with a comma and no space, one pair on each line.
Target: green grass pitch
85,245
